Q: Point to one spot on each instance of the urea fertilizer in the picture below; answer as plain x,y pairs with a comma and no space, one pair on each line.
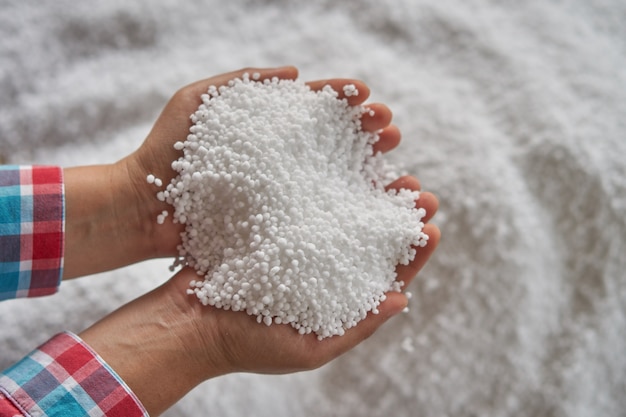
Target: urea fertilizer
285,210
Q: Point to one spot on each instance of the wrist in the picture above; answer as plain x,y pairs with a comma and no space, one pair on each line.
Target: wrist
160,239
103,225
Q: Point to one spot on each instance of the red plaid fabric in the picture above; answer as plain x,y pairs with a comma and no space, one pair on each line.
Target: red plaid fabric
64,377
31,230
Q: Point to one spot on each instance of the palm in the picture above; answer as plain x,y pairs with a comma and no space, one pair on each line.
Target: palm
251,347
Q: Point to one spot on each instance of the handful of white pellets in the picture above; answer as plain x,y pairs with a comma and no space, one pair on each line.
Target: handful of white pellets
285,210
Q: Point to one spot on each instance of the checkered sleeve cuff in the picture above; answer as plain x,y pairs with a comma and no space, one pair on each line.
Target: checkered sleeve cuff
32,224
65,377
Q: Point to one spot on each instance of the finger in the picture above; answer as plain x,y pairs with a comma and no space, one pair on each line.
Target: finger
376,117
406,273
338,85
389,138
405,182
429,202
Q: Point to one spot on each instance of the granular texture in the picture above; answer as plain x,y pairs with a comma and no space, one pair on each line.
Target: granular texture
519,110
285,207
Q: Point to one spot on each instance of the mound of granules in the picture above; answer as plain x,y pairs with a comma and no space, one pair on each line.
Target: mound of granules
286,213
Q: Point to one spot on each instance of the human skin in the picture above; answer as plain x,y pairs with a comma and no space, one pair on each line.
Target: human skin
165,343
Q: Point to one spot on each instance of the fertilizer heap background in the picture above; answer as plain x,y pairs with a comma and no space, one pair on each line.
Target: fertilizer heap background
511,112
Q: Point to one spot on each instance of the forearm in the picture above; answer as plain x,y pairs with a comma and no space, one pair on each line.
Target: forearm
104,228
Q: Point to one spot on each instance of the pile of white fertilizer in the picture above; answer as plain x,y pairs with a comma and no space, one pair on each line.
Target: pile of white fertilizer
286,213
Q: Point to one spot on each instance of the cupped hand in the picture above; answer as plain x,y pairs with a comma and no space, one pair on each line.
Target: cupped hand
166,342
157,152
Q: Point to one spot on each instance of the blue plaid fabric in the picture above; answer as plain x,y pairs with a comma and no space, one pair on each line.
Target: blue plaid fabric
31,230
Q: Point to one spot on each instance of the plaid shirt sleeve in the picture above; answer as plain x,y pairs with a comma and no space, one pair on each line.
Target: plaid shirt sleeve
64,377
31,230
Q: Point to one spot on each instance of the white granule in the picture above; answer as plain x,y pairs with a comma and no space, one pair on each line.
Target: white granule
151,179
161,217
350,90
285,209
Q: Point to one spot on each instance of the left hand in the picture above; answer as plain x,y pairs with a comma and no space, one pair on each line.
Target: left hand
111,210
157,152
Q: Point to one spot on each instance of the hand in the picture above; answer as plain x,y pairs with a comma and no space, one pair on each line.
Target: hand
157,152
111,210
165,343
